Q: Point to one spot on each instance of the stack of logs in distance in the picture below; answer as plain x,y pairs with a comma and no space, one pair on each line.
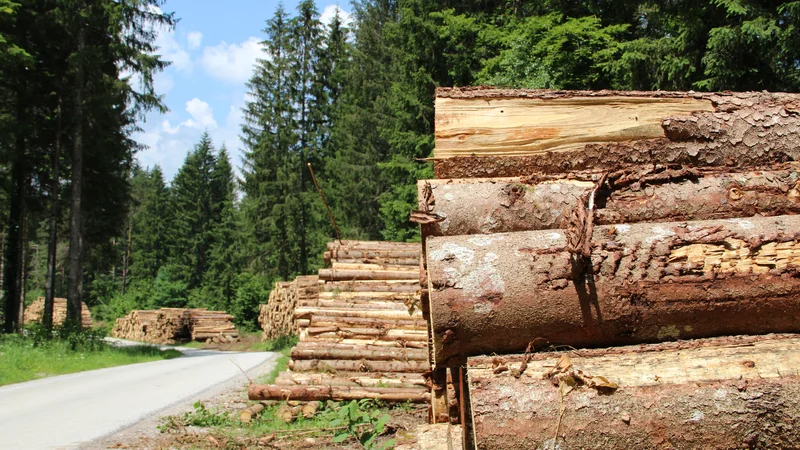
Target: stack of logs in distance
276,317
582,220
172,325
35,312
363,335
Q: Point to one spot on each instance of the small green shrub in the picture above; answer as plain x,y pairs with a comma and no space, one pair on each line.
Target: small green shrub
357,421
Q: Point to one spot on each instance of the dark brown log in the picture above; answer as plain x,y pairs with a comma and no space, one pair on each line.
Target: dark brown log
743,130
369,354
336,393
335,365
505,205
643,283
718,393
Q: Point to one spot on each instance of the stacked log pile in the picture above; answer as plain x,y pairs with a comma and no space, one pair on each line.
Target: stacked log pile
35,312
579,220
276,317
363,335
173,325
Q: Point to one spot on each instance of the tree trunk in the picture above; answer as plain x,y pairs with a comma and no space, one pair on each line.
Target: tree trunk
16,222
371,286
733,392
644,283
482,206
335,393
335,365
506,133
52,242
126,255
75,280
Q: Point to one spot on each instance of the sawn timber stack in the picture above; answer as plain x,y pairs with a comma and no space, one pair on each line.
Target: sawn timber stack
363,335
173,325
277,315
575,219
35,312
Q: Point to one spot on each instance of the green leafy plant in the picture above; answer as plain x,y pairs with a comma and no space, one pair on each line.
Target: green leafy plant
360,424
204,417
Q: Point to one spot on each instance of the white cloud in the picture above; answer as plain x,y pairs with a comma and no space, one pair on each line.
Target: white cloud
169,129
231,62
194,40
202,115
330,11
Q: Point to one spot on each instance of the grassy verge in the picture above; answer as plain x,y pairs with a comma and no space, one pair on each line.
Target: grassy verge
32,357
283,345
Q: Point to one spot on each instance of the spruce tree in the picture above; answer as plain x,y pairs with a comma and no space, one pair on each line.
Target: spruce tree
270,166
196,214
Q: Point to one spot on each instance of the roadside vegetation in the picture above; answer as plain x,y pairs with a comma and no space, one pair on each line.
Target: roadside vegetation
366,424
37,355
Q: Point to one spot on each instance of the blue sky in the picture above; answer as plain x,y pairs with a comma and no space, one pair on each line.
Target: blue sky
212,49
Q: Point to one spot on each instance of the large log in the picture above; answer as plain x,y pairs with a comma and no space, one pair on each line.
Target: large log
336,393
557,131
740,392
644,283
482,206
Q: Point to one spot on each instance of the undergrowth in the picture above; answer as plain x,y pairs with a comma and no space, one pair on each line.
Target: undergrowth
361,422
39,354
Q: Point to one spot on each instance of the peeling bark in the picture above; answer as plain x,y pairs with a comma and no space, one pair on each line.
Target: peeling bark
642,283
485,206
715,393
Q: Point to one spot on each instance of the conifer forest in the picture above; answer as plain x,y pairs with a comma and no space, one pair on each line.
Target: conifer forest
81,218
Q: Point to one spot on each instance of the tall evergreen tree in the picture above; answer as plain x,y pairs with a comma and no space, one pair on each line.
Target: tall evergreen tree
196,214
269,136
150,226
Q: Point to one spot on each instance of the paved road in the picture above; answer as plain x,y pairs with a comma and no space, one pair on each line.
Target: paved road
66,411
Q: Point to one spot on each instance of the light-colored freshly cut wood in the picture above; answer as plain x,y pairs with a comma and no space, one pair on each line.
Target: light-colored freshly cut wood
367,274
313,365
643,283
35,312
732,392
726,129
483,206
506,126
336,393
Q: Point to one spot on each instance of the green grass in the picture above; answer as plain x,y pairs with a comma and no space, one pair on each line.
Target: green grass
30,358
194,344
283,345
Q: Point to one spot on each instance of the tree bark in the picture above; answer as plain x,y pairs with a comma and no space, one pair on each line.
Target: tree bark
742,130
335,365
75,277
370,354
733,392
335,393
52,242
367,274
642,283
483,206
371,286
15,246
